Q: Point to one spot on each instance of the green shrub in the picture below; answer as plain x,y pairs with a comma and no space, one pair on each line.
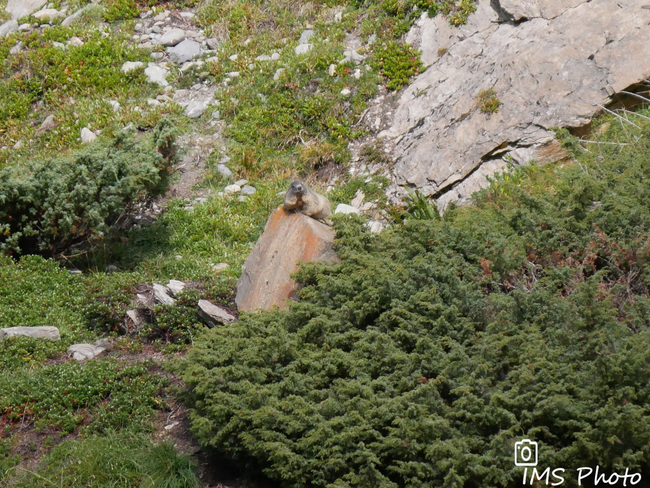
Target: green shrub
430,349
121,460
53,206
102,395
488,101
397,62
120,10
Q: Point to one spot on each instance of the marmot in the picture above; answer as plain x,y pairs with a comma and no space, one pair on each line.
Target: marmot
301,198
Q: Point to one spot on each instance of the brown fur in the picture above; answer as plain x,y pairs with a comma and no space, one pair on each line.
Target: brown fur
300,198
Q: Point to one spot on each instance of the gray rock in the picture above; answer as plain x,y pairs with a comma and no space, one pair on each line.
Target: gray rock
137,318
131,65
24,27
19,144
278,73
156,74
185,51
48,14
82,352
374,226
161,294
275,56
176,286
544,78
87,135
16,49
233,74
213,315
40,332
263,57
157,55
22,8
346,92
115,104
69,20
342,208
305,36
232,189
195,109
241,182
303,48
8,27
220,267
75,41
248,190
213,43
172,37
352,55
48,124
224,171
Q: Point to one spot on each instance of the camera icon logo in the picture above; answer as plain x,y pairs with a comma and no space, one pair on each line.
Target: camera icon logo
526,453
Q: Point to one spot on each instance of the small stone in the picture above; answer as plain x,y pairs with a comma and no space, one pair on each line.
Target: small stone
332,70
187,15
374,226
138,26
176,286
241,182
232,189
277,74
131,65
225,159
111,268
233,74
59,45
8,27
357,73
48,124
263,57
305,36
185,51
233,57
161,16
172,37
87,135
248,190
342,208
19,144
16,49
224,171
345,92
338,16
48,14
82,352
137,317
75,41
213,43
212,315
153,103
161,294
303,49
220,267
24,27
156,74
157,55
115,104
195,109
40,332
275,56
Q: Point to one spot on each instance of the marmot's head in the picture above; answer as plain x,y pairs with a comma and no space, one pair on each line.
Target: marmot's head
297,187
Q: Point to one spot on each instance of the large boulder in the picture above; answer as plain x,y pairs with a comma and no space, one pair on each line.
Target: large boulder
289,238
40,332
551,63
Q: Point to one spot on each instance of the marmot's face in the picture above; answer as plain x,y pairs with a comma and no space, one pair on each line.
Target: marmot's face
297,187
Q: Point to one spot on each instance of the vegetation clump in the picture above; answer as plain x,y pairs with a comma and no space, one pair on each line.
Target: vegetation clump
488,101
430,349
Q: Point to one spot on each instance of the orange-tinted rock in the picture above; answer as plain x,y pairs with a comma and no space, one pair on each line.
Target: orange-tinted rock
288,239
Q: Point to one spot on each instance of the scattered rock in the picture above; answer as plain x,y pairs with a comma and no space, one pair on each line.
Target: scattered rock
19,144
275,56
175,286
224,171
233,74
23,8
195,108
342,208
161,295
353,56
185,51
357,201
288,238
263,57
332,70
8,27
232,189
48,14
39,332
241,182
172,37
374,226
305,36
115,104
76,42
87,135
48,124
213,43
213,315
16,49
156,74
131,65
220,267
346,92
248,190
137,317
24,27
82,352
278,73
303,49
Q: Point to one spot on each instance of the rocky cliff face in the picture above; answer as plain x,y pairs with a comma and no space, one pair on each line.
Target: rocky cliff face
551,63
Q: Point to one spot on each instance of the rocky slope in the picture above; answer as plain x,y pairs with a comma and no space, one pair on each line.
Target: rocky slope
550,63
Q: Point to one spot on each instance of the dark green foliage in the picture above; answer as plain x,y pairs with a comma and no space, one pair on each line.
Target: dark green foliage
120,460
101,394
398,62
429,350
52,206
175,323
120,10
